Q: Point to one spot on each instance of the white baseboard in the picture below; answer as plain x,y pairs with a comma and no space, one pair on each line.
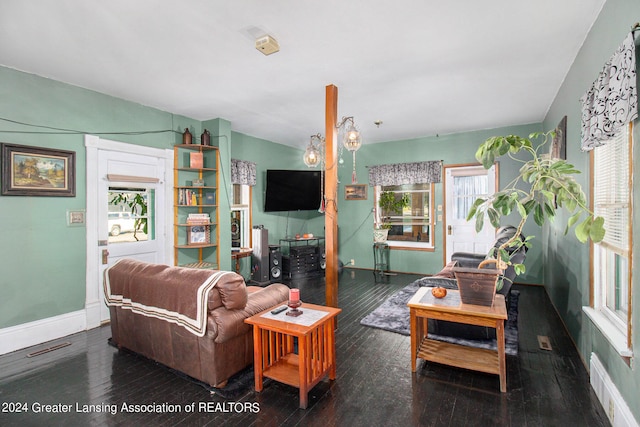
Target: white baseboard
33,333
614,405
93,314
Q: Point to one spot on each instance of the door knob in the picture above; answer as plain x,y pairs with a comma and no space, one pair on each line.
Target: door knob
449,230
105,257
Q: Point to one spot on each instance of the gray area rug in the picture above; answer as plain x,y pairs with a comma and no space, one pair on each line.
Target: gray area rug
393,316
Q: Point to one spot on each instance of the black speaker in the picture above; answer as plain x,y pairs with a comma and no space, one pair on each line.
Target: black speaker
260,256
275,263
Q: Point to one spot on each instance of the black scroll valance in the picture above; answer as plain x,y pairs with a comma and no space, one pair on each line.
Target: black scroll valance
612,101
243,172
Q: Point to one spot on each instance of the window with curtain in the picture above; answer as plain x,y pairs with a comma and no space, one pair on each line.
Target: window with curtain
609,108
413,228
241,216
611,269
243,177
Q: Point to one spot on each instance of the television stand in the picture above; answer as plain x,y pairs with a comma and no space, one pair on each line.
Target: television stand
303,258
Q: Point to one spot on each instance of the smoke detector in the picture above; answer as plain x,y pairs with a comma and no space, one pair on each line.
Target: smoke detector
267,45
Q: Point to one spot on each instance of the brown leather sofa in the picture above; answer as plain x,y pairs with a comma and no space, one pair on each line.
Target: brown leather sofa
146,301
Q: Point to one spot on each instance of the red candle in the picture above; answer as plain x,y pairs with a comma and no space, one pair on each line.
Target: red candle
294,295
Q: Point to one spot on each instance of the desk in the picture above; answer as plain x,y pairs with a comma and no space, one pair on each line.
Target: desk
423,306
242,253
273,347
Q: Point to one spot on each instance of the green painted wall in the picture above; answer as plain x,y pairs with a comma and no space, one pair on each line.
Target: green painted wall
567,261
270,155
356,217
42,259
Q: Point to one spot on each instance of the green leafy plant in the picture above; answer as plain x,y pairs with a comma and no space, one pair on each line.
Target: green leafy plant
543,186
391,203
138,206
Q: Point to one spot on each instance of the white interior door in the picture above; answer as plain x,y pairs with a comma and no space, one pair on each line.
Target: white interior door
123,171
463,185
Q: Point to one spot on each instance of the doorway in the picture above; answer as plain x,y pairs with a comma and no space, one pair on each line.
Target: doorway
463,185
128,213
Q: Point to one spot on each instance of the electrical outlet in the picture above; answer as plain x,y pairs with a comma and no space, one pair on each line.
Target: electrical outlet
353,262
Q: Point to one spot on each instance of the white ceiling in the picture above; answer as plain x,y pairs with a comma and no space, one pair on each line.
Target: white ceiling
423,67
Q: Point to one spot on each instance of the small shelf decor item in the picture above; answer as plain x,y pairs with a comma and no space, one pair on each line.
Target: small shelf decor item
196,160
294,303
205,138
186,137
198,235
35,171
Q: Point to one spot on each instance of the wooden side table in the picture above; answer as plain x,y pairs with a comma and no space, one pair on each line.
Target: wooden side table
238,254
423,306
273,347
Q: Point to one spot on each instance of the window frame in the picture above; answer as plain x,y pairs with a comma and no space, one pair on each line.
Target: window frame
245,210
615,328
427,245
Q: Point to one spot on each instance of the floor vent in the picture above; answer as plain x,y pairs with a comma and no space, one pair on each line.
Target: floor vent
49,349
544,343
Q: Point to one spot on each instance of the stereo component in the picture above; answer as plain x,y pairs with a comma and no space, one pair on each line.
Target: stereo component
260,256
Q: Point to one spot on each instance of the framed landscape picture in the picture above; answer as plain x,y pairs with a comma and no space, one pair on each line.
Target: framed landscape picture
34,171
355,192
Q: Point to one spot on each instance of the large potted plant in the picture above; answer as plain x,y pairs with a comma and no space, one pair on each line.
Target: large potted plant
543,186
390,203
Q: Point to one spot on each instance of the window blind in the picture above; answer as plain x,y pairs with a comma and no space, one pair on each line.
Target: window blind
612,190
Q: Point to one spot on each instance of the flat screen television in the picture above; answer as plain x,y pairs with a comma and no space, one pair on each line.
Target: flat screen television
292,190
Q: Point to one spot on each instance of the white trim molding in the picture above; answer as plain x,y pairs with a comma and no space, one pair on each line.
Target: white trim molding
93,144
614,405
37,332
616,338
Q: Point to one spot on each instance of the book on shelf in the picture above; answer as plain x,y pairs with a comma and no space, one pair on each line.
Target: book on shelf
198,218
188,197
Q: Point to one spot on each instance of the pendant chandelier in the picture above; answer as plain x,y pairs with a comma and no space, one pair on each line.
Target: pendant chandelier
352,141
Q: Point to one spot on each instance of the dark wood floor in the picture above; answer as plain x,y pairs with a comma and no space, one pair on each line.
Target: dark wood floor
374,385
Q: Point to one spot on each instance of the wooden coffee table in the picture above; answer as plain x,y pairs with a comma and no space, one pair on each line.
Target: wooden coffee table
273,347
423,306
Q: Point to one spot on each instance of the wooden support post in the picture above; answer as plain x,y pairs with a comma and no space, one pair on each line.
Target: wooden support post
331,195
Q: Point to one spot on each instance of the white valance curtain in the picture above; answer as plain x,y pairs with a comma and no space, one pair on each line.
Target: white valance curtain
406,173
612,100
243,172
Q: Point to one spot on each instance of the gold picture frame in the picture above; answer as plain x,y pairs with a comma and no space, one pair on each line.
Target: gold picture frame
355,192
35,171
